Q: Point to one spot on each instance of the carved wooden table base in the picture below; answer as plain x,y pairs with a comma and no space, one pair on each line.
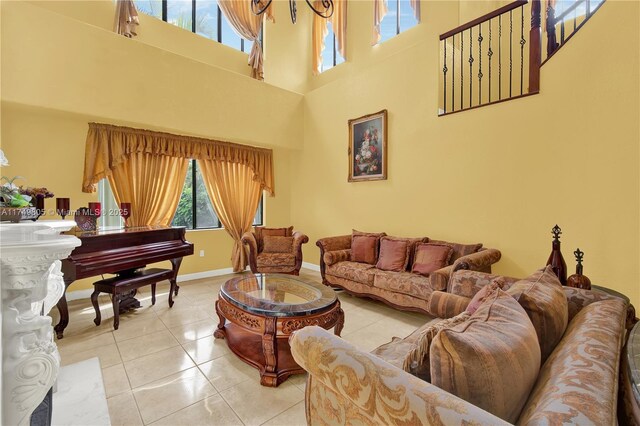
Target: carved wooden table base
263,341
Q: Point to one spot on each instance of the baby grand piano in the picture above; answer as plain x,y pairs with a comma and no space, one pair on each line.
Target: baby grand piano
120,251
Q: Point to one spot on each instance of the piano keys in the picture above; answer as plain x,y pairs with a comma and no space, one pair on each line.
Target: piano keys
119,252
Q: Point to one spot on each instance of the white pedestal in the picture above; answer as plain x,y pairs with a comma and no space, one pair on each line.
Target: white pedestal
30,283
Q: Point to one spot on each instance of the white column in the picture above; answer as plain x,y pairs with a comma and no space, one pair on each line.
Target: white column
30,254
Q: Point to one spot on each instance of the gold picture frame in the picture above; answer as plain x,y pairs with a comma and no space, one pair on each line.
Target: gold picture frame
368,147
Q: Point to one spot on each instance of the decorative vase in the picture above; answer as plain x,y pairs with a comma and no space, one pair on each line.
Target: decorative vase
578,280
555,258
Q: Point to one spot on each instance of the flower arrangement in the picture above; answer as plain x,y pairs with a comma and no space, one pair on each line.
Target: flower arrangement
367,157
12,195
15,196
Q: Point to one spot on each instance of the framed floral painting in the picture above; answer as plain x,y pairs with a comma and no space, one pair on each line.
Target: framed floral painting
368,147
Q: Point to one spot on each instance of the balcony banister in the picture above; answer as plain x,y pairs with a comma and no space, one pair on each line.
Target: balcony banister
484,18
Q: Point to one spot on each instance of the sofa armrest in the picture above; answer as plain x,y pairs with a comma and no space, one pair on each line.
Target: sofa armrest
341,242
439,279
335,256
249,240
478,261
447,305
350,386
298,240
467,283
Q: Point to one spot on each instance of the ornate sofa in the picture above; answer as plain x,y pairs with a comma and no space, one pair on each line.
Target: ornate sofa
282,253
577,384
403,289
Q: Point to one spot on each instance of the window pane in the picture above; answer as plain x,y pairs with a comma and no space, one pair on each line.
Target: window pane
229,37
205,215
407,15
150,7
257,220
184,212
327,53
110,211
207,18
389,25
179,13
248,45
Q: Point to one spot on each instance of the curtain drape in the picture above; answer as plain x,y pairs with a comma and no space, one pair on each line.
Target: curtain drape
126,18
319,32
248,26
107,146
379,12
235,196
152,184
380,9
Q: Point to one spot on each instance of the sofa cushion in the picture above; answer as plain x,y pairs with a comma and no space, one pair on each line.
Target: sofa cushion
262,232
354,271
459,250
416,361
275,259
278,244
484,293
364,249
403,282
578,384
393,255
430,257
336,256
545,302
491,360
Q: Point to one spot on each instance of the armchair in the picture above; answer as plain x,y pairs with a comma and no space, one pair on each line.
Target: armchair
281,254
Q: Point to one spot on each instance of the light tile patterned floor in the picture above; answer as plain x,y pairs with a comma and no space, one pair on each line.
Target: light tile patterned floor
164,367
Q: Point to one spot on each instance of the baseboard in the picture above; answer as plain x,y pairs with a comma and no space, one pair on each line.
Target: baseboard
311,266
86,294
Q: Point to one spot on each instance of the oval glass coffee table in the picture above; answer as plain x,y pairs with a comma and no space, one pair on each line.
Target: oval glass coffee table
259,312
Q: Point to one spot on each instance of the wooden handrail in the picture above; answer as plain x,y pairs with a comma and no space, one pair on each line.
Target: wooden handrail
483,18
535,47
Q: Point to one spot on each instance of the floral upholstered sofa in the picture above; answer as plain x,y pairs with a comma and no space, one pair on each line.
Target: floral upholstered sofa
536,353
402,285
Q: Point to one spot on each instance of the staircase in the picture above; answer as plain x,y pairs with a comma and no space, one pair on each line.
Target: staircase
498,56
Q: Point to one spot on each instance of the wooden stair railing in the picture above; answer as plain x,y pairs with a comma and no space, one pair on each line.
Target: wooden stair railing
499,39
576,11
483,62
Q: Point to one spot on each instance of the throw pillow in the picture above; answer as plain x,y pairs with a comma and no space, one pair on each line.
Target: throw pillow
393,255
491,360
262,232
483,294
459,250
430,257
543,298
416,361
278,244
364,249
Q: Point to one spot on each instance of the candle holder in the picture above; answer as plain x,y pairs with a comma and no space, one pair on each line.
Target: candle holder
63,207
125,212
95,209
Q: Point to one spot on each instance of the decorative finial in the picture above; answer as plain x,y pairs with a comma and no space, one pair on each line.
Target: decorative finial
556,231
579,256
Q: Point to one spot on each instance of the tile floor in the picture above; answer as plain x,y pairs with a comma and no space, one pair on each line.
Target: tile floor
164,367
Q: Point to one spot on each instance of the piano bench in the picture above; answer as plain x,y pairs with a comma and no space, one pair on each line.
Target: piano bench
122,284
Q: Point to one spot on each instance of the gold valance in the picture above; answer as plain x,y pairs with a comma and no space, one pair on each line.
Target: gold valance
108,145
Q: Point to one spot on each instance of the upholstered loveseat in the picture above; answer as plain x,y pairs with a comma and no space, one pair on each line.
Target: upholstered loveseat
576,384
402,288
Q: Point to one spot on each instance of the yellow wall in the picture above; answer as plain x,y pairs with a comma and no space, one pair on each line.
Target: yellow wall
502,175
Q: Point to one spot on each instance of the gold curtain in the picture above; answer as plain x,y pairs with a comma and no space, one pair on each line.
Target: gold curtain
152,184
319,32
126,18
235,196
248,26
379,12
415,5
107,146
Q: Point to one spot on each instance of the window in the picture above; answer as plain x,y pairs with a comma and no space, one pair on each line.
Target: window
195,210
110,217
400,17
330,55
202,17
